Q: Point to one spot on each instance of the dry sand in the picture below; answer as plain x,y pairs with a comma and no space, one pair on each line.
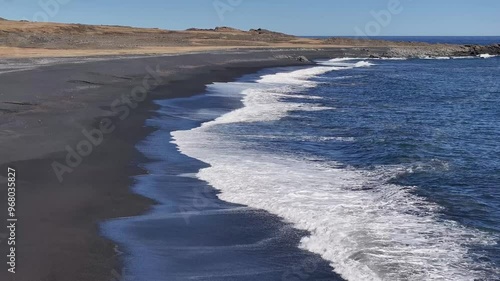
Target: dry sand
15,52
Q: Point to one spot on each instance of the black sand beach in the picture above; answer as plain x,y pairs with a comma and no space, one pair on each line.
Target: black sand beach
43,114
192,234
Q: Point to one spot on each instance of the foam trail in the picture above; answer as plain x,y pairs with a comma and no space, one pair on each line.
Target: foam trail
464,57
486,56
483,56
393,58
366,228
298,77
346,63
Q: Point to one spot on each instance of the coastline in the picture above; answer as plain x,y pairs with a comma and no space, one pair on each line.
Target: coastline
50,106
261,158
191,233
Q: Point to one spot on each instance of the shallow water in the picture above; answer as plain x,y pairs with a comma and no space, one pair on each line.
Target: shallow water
193,235
391,165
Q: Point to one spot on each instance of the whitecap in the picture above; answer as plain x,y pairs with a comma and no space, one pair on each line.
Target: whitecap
486,56
366,227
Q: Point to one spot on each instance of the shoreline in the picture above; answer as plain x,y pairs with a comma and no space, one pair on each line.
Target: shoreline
52,106
191,232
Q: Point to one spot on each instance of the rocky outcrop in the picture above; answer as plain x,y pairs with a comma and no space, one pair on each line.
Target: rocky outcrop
302,59
295,58
261,31
414,49
441,50
475,50
424,51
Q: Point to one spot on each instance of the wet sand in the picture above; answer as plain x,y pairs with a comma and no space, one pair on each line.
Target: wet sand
191,234
45,110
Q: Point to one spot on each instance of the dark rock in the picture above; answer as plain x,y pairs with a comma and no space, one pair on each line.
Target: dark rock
226,29
262,31
302,59
476,50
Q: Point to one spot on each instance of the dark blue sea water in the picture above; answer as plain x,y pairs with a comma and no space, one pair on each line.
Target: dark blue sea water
392,166
479,40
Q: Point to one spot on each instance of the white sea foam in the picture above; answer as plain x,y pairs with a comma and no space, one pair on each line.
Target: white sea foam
346,59
483,56
368,229
486,56
363,64
464,57
298,77
435,58
350,59
395,58
346,63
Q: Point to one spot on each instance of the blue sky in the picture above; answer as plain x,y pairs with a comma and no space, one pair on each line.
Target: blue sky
299,17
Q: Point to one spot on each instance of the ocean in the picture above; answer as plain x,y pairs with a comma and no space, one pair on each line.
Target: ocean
353,169
393,166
